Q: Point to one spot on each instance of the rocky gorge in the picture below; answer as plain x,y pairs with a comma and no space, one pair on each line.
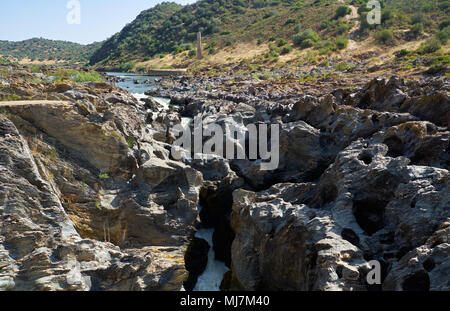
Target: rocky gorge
91,197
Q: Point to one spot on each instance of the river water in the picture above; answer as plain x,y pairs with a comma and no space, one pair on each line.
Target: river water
138,84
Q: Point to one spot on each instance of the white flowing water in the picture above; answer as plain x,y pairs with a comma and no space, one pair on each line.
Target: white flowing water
140,97
164,102
212,277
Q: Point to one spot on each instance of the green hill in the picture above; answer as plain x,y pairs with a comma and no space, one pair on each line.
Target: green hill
137,38
171,28
38,49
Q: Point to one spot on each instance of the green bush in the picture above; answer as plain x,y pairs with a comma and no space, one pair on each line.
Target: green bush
4,61
343,28
385,36
91,76
307,44
386,15
126,67
403,53
342,11
192,53
290,21
308,35
443,35
341,43
282,42
344,66
416,29
325,47
286,49
429,46
417,18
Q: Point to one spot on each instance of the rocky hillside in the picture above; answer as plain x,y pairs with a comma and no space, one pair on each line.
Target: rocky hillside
38,50
91,198
81,205
363,176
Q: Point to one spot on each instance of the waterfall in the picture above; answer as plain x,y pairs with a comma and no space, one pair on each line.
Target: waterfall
212,277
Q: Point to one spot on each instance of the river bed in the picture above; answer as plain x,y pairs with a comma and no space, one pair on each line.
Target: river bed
138,84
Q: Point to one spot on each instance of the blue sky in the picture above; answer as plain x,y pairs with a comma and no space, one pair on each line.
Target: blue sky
100,19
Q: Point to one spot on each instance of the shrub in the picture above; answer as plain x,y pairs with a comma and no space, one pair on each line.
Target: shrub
344,66
343,28
91,76
103,176
126,67
417,18
341,43
429,46
402,53
325,47
443,35
416,29
307,35
385,36
342,11
290,21
192,53
282,42
307,43
286,49
270,14
387,15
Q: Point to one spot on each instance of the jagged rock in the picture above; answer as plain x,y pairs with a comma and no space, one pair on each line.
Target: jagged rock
284,246
41,250
422,142
434,107
196,259
102,146
303,155
378,204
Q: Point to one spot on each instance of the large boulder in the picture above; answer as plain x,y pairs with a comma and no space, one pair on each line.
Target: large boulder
41,250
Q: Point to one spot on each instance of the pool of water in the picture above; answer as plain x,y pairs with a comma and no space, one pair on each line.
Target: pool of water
144,82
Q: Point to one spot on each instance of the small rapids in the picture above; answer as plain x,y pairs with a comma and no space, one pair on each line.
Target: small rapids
212,277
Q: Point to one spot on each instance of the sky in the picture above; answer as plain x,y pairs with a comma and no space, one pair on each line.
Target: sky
52,19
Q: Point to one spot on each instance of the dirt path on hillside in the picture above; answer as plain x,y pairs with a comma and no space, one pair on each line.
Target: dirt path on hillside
353,17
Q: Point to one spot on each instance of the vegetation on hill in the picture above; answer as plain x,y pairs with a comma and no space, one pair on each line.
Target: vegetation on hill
38,49
137,37
321,24
222,22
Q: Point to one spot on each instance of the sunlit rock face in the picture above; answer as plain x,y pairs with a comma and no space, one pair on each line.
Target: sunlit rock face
91,197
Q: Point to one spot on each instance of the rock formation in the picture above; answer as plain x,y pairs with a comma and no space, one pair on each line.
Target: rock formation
91,198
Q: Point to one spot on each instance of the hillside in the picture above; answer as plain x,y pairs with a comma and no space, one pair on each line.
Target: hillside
136,38
320,24
41,50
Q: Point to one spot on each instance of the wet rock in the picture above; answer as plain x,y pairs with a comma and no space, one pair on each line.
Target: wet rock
196,259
